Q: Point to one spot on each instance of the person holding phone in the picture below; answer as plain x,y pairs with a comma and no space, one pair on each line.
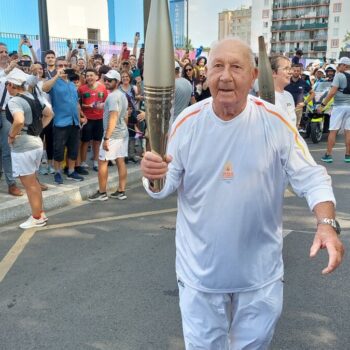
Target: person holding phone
26,42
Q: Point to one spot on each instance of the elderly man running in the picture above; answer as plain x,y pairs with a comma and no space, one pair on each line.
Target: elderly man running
229,158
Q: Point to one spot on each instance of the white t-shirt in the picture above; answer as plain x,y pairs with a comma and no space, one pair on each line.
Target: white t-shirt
230,177
285,102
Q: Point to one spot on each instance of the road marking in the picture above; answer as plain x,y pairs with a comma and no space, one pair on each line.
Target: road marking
12,255
8,261
324,149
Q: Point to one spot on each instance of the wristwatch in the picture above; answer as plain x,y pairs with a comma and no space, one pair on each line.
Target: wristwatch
323,105
106,138
333,222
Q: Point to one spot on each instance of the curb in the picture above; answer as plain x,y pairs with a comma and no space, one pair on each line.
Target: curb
59,196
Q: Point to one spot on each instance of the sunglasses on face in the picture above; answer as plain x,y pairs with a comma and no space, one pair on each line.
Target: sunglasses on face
188,70
62,65
108,80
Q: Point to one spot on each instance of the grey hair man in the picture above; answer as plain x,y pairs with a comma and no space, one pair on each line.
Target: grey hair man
229,224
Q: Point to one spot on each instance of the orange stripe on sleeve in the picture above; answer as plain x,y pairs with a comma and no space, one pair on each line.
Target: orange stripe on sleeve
289,126
185,119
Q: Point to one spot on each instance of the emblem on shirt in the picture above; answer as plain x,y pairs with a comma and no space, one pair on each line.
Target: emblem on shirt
228,171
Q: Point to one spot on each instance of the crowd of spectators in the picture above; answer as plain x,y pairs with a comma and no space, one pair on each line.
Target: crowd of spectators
93,102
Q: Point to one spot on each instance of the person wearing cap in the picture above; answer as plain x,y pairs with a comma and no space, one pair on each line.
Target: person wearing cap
330,72
340,116
115,139
25,142
6,66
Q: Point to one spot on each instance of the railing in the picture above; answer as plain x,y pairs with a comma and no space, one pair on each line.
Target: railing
59,45
320,48
282,4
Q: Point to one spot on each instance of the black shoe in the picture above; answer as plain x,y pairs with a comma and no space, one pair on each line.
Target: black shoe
65,170
119,195
133,160
98,196
81,171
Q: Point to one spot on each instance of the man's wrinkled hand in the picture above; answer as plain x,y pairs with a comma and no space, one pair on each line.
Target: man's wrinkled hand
327,238
154,167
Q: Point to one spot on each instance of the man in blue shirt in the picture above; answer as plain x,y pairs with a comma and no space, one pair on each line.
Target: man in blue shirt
66,123
299,88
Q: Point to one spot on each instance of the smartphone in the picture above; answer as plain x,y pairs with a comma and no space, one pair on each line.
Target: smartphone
69,42
136,73
80,42
69,71
126,54
24,37
137,34
125,44
24,63
96,46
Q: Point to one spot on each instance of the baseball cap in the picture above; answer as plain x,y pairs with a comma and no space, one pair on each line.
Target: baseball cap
321,70
177,66
344,60
331,67
307,73
17,77
113,74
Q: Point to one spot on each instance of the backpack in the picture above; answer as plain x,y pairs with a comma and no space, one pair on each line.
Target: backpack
347,89
36,127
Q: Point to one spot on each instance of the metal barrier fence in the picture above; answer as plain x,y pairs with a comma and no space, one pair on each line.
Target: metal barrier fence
59,45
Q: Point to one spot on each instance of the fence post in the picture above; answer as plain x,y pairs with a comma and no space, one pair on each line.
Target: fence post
44,28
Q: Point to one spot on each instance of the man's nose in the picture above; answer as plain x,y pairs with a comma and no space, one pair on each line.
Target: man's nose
226,74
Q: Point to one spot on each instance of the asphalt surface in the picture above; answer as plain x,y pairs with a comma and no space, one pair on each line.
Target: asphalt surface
101,276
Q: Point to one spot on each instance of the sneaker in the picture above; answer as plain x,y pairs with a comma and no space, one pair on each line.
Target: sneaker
84,165
95,168
347,158
81,171
65,170
43,170
74,176
58,178
31,222
43,217
327,158
119,195
98,196
51,169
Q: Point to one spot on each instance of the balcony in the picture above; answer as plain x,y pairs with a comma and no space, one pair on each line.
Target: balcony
314,26
305,3
320,48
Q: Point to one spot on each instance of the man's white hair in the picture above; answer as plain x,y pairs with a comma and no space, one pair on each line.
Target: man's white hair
237,40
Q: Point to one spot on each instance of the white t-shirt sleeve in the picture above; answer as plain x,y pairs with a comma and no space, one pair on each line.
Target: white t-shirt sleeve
307,178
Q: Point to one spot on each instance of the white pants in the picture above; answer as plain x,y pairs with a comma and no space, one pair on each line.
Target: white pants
26,163
239,321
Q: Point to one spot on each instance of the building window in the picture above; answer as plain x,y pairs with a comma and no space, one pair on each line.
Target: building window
336,19
335,43
337,7
265,13
93,35
266,24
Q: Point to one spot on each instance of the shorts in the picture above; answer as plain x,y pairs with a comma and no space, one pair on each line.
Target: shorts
26,163
230,321
118,148
92,130
67,136
340,118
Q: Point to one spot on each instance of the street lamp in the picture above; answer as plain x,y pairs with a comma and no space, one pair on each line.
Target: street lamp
187,39
43,28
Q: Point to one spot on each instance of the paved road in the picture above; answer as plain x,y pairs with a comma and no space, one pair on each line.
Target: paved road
101,276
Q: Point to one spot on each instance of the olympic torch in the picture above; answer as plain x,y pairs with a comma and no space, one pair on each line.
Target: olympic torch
266,85
159,78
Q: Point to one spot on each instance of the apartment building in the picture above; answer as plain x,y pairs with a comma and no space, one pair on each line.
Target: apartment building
236,23
261,23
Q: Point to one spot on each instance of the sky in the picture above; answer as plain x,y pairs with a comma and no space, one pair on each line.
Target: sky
204,19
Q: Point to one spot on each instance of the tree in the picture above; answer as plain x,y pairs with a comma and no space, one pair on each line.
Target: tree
190,46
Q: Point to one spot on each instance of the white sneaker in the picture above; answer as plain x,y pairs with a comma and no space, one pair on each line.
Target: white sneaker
84,165
31,222
44,217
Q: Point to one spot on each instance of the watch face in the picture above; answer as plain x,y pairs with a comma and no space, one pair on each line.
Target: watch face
337,227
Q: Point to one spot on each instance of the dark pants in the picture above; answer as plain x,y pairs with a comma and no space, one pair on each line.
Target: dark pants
48,135
67,136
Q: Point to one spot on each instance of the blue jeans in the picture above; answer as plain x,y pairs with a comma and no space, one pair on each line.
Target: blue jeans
5,150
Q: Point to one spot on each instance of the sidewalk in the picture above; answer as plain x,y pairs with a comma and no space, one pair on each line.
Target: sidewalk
15,208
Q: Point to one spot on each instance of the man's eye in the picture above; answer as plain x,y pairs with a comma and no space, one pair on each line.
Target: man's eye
218,65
